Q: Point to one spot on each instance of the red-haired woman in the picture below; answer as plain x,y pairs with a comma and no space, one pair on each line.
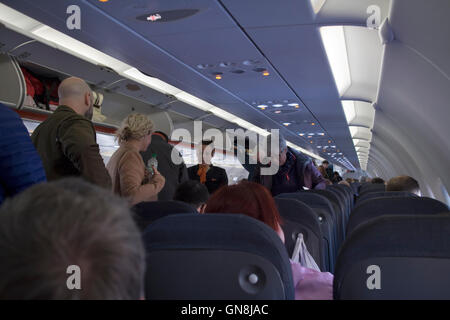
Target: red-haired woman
254,200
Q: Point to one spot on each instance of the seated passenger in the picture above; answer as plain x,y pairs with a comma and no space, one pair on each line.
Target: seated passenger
193,193
130,177
404,183
296,171
377,181
69,239
255,201
211,176
172,172
20,164
66,140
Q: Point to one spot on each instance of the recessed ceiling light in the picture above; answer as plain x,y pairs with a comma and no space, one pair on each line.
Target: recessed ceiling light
265,73
311,134
321,134
278,105
218,77
262,106
301,134
293,104
313,123
286,123
278,111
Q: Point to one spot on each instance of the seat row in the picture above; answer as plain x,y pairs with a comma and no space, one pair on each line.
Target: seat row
191,254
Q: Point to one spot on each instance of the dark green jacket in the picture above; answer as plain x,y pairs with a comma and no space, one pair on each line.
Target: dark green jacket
67,144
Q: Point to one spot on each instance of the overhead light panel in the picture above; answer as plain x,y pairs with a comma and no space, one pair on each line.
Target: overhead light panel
349,110
361,133
151,82
317,5
333,39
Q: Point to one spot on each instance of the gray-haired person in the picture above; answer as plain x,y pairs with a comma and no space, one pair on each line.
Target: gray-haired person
69,240
296,171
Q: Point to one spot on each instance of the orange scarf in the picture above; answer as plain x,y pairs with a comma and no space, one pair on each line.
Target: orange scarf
202,170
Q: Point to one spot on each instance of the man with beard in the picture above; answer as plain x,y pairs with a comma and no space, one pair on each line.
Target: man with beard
67,142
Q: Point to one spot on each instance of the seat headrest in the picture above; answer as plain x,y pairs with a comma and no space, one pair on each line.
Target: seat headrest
376,207
229,232
411,253
148,212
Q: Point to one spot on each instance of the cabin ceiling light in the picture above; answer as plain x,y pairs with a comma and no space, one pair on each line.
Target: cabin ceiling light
317,5
154,83
333,39
349,110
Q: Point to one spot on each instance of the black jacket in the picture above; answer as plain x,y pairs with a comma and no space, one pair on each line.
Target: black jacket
174,173
216,177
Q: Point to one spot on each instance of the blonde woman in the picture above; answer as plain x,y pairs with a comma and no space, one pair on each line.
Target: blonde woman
130,177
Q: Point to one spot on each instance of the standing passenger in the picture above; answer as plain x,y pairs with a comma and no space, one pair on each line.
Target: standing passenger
130,177
20,165
296,171
172,172
211,176
67,141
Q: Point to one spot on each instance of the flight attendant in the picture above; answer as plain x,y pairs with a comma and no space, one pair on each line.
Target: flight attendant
211,176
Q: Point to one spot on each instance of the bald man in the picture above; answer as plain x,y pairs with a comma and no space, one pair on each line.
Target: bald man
67,142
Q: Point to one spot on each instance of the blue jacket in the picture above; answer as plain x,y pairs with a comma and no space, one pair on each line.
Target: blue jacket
20,164
307,174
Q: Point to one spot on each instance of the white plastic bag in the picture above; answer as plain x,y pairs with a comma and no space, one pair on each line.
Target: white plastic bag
302,255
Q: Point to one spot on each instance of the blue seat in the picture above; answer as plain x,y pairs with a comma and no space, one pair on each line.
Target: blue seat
396,257
355,187
215,256
339,209
297,218
381,194
325,213
371,187
147,212
376,207
344,197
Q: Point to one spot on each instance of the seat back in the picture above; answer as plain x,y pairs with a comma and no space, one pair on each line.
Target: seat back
299,218
376,207
371,187
339,209
344,197
381,194
148,212
396,257
215,256
355,187
324,211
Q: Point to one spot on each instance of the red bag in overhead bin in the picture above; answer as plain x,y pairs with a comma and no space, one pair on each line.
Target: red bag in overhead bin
43,90
34,85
